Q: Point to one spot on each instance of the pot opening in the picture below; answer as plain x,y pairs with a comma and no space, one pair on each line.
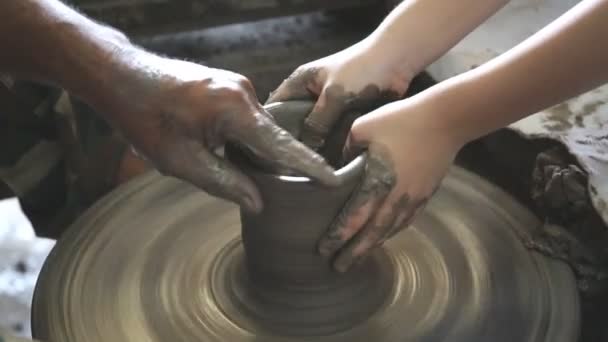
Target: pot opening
252,164
290,116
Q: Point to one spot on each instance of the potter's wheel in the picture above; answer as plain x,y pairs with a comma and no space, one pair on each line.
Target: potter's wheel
158,260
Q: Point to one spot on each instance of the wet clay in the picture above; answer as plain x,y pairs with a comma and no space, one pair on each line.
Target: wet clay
296,291
158,260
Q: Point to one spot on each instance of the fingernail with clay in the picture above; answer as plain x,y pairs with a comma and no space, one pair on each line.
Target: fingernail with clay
324,250
342,266
360,260
344,262
328,245
332,179
252,205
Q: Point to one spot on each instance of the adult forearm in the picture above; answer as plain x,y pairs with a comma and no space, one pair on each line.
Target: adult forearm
563,60
417,32
46,41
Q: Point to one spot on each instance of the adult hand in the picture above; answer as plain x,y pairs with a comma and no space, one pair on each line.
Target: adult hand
351,80
177,114
408,153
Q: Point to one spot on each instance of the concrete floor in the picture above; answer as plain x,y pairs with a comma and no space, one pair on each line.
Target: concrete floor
21,257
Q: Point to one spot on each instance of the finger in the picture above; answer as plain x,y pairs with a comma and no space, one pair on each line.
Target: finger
327,110
296,87
276,145
352,218
357,140
289,115
353,147
335,141
376,185
373,233
405,219
190,161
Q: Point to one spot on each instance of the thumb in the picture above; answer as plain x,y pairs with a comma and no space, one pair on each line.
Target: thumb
295,87
327,110
358,139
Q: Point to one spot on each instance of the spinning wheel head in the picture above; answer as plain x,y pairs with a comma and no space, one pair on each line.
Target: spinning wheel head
158,260
154,262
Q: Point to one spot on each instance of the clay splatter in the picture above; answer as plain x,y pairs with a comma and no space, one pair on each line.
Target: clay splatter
558,118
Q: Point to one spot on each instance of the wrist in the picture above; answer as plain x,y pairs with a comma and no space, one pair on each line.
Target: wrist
452,110
404,48
391,58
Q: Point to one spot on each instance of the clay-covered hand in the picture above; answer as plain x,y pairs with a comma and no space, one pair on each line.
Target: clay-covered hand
351,80
177,114
407,156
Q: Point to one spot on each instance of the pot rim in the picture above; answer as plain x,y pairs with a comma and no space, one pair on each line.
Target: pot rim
351,170
297,110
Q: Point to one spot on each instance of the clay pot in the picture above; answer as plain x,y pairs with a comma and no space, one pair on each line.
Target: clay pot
297,290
